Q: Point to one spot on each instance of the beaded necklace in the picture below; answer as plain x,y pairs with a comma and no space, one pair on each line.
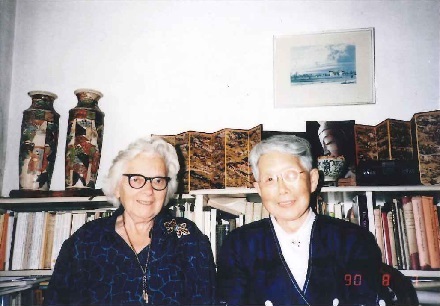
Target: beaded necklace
144,270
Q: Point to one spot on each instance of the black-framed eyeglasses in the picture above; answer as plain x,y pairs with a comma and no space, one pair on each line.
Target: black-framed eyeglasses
137,181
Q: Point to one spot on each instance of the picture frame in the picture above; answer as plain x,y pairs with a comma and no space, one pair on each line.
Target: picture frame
327,68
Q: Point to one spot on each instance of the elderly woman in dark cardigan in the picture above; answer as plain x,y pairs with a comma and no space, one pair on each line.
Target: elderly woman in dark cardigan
140,255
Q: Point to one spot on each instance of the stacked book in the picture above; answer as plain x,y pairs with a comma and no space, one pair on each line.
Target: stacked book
32,240
222,215
407,231
406,228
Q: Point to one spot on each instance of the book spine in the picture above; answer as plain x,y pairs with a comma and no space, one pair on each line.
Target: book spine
338,210
396,232
213,233
48,240
207,223
37,234
411,232
249,212
394,258
379,231
331,210
19,238
422,243
3,242
2,220
437,225
386,235
363,211
10,240
403,235
431,232
56,240
222,231
28,240
258,211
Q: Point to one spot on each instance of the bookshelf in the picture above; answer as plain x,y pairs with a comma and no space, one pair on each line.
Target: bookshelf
344,193
92,203
74,204
52,204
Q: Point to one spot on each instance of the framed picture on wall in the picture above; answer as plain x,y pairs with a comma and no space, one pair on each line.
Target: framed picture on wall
329,68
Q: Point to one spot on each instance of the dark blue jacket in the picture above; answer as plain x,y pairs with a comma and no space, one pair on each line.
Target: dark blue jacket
97,267
344,264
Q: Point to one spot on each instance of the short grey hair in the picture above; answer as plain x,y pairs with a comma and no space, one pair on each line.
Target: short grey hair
154,146
290,144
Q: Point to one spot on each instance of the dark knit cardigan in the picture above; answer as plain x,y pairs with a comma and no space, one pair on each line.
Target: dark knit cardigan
97,267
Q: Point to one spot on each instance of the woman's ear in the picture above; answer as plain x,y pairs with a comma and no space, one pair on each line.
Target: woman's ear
314,179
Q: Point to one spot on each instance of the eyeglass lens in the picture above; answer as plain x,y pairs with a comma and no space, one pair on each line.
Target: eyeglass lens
138,181
289,176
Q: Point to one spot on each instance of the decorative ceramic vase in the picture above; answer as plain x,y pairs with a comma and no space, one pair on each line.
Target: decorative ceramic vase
38,142
84,140
332,168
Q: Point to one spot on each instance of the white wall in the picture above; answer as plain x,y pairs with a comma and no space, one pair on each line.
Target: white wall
166,67
7,23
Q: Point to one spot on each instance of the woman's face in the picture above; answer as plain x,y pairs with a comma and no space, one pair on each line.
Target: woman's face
145,203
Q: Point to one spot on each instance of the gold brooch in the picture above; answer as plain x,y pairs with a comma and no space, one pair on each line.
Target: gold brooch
180,229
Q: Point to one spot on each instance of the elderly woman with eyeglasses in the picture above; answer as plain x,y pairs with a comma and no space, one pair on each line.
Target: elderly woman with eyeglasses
296,257
140,255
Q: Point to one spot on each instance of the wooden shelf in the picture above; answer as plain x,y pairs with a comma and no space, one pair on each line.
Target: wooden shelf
230,191
16,201
27,273
60,203
235,192
409,273
421,273
100,202
30,282
54,203
238,191
413,188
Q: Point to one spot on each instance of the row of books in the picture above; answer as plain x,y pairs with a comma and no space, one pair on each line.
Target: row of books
32,240
355,211
29,296
408,232
19,290
222,215
406,228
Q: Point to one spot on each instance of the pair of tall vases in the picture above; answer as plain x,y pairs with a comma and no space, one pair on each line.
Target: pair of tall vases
39,141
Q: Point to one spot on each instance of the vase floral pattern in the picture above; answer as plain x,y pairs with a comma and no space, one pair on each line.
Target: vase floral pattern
38,142
332,167
84,140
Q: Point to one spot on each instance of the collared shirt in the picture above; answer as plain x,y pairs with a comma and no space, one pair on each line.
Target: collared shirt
295,247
